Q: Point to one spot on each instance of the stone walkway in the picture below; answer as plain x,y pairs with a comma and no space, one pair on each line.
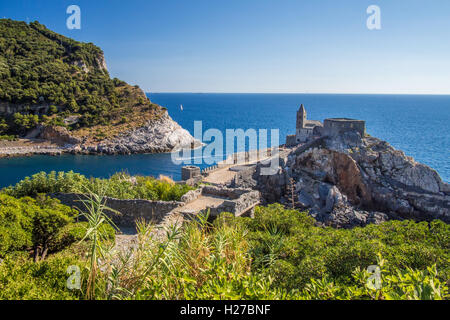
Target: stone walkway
200,204
220,176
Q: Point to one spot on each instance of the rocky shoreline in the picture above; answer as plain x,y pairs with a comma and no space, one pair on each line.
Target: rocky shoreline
157,136
30,151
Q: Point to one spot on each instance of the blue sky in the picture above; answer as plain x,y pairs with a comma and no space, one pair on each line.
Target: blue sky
312,46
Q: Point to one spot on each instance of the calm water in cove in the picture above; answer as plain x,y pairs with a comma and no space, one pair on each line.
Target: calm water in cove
418,125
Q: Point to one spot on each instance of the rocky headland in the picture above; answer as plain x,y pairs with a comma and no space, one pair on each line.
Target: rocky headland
155,136
63,100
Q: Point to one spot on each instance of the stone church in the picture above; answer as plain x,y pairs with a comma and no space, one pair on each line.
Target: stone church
306,128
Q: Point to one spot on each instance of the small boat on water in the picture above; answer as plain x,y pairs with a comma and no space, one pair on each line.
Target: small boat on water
181,107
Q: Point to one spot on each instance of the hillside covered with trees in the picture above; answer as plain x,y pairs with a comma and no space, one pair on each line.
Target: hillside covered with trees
47,78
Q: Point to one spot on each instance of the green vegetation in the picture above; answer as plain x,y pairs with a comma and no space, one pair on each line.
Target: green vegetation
24,122
289,246
31,224
39,67
8,138
3,126
29,229
280,254
21,278
119,186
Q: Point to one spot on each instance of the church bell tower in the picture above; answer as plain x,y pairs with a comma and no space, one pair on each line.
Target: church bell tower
301,117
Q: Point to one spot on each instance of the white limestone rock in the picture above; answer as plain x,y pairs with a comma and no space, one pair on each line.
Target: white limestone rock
161,135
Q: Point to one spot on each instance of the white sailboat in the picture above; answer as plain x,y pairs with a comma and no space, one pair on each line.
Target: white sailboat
181,107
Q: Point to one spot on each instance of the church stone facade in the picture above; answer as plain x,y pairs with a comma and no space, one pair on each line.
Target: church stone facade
306,128
336,126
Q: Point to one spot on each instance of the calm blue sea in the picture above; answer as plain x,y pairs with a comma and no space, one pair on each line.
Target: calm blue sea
416,124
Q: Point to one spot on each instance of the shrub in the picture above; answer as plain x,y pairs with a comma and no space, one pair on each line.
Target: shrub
120,186
31,224
47,183
47,223
394,284
25,122
23,279
212,261
299,251
198,262
75,232
15,224
52,110
3,126
8,138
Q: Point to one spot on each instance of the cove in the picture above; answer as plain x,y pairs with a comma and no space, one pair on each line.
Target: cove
12,170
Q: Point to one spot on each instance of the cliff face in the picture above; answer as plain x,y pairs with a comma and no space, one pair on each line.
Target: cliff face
348,181
159,135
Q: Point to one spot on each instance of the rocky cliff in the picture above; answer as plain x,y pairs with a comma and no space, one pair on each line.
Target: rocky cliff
347,181
159,135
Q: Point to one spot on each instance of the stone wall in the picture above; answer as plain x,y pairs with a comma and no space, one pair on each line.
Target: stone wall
291,140
191,195
224,192
338,126
246,201
189,172
239,201
310,145
58,135
303,134
247,156
208,170
130,210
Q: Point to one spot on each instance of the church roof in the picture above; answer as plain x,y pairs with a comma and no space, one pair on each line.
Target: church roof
302,109
313,123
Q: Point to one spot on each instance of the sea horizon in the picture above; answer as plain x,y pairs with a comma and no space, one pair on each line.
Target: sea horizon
305,93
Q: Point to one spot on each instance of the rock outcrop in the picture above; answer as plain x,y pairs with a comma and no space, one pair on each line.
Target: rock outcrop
160,135
58,135
347,181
